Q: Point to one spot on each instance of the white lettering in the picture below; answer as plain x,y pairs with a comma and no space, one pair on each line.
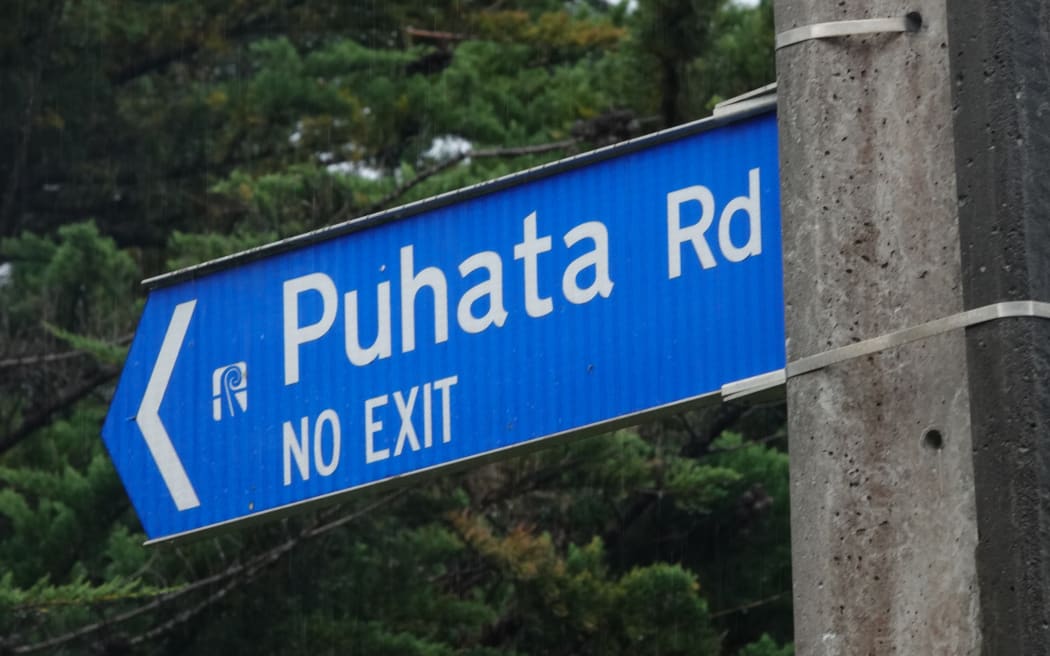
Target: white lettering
528,250
380,348
750,205
405,404
332,419
295,446
445,385
373,426
428,420
296,335
597,258
404,410
411,283
677,234
491,287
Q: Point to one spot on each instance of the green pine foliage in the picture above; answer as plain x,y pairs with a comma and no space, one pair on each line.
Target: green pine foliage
142,136
766,646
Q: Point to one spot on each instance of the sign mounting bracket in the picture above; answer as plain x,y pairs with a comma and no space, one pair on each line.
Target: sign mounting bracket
833,29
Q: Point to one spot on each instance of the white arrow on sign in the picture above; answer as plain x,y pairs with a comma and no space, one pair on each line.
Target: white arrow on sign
148,417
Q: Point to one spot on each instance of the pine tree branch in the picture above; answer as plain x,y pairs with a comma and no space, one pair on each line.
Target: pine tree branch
246,570
248,27
697,446
156,603
7,204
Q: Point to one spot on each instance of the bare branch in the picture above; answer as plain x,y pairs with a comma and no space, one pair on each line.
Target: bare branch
155,64
434,34
157,602
48,358
536,480
518,151
345,519
403,188
45,358
65,400
515,151
728,415
750,605
747,443
190,613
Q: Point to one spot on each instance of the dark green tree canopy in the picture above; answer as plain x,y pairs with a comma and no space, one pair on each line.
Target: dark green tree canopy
142,135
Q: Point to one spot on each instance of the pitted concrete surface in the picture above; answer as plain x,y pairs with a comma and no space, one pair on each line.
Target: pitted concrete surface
883,527
883,513
867,172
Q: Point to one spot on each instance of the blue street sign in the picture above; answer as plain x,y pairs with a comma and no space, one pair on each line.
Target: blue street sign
569,298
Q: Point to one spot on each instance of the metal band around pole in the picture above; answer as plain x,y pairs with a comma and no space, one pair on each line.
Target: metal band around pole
909,23
972,317
808,364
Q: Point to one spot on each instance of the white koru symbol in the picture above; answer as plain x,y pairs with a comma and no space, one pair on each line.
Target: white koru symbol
229,384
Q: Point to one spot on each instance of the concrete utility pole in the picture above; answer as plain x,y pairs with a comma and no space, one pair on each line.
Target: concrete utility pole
1000,65
915,173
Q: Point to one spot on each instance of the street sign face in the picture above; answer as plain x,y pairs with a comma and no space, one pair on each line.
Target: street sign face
581,295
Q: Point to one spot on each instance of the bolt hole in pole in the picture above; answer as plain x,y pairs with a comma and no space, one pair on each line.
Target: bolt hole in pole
914,19
933,439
